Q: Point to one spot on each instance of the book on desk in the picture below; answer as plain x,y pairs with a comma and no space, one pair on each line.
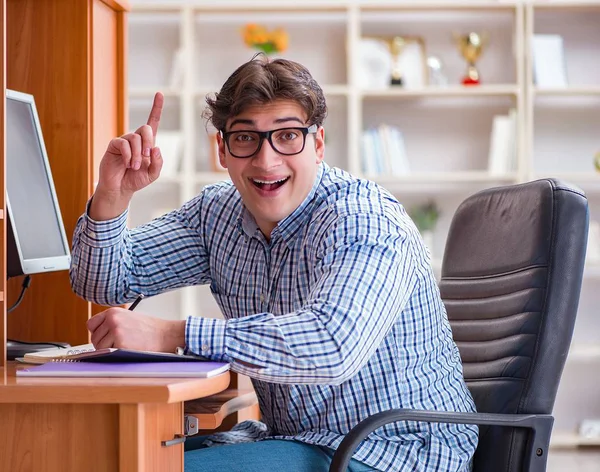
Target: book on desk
86,361
204,369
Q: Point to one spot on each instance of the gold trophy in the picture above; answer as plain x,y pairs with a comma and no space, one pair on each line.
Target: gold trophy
396,45
471,46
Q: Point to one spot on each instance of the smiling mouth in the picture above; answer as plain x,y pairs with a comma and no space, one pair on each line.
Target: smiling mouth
269,185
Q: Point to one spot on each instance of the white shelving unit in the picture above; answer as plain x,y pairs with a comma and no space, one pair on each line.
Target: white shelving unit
446,130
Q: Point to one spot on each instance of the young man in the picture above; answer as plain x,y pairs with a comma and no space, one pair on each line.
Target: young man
330,303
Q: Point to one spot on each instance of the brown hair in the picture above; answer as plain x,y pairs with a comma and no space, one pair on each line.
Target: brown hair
262,80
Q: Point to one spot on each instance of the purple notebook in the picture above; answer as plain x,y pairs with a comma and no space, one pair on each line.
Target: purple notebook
143,369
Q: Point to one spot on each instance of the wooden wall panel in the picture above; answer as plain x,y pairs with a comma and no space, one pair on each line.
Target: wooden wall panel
48,56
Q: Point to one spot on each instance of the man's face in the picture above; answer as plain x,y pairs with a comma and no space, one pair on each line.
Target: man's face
272,185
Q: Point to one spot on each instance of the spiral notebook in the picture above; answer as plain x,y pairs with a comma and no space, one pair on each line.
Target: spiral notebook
125,369
86,352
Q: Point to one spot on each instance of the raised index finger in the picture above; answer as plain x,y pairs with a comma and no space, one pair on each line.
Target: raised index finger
154,118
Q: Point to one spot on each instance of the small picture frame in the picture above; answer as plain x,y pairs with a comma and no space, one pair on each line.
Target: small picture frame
549,67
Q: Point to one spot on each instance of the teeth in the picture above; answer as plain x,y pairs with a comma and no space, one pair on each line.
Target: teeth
268,182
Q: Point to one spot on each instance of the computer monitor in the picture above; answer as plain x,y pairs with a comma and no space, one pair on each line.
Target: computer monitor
36,240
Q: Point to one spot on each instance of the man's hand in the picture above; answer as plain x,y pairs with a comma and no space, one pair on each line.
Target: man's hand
118,327
130,163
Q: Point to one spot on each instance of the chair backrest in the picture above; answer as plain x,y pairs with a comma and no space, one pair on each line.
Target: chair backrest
511,279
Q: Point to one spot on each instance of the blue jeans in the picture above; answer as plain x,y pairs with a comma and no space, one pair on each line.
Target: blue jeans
270,455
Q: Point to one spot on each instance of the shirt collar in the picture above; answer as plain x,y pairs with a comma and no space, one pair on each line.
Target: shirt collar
289,227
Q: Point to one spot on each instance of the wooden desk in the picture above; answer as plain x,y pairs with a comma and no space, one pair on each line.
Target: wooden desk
93,425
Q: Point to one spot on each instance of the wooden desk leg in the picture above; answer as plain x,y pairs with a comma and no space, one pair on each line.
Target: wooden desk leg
142,428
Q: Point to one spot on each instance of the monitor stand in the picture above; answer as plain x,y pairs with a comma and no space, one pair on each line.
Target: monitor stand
16,349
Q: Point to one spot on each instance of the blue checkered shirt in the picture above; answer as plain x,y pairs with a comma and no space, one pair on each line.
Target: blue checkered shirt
336,318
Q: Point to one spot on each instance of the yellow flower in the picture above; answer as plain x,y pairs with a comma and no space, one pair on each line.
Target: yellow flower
280,40
259,37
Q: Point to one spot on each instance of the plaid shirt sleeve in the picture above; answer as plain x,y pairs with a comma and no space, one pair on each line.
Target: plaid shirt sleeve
112,265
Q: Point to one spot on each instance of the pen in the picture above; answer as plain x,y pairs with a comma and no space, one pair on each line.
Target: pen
135,303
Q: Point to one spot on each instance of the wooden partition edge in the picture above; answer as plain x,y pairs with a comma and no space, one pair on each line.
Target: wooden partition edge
122,40
118,5
2,179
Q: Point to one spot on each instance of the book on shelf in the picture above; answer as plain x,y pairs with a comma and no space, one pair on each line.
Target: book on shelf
87,352
128,369
384,152
502,157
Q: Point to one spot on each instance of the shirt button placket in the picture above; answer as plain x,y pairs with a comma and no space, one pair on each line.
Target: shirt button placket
264,299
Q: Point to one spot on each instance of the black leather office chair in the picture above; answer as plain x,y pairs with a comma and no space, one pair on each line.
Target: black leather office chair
511,279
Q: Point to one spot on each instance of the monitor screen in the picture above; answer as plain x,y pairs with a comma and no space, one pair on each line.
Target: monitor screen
36,240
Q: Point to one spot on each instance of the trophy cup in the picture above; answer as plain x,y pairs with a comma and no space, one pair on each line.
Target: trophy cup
396,45
471,46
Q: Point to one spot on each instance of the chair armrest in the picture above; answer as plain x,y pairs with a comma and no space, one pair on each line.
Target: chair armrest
211,411
541,425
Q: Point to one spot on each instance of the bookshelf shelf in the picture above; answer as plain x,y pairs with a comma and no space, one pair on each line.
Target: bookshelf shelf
572,440
564,5
323,16
205,178
589,182
465,6
446,177
584,353
573,177
436,185
148,92
592,269
453,91
568,91
329,91
267,5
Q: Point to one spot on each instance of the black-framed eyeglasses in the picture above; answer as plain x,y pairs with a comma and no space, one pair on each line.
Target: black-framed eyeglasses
286,141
